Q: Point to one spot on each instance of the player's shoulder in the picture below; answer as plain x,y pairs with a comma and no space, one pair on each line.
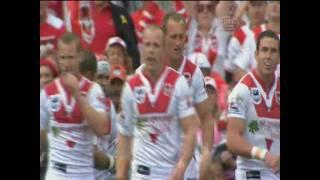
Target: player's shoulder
54,21
189,66
242,88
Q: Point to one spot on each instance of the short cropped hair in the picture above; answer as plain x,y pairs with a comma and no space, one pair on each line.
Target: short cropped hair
69,37
175,17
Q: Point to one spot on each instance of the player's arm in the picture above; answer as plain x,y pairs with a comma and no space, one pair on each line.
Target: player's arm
92,107
235,140
189,124
125,129
189,127
94,113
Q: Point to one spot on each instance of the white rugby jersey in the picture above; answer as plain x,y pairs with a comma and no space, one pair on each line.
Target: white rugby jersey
152,114
195,80
108,143
70,139
261,113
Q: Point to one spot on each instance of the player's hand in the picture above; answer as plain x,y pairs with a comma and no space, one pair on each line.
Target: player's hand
71,82
204,164
178,172
273,162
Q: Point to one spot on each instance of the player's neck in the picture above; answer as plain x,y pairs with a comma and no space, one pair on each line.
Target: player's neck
176,63
266,80
153,74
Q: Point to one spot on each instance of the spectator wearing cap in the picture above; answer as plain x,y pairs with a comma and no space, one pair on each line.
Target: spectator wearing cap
117,78
116,53
48,71
102,76
97,21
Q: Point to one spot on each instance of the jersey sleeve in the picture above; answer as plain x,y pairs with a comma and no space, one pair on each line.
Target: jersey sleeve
238,102
183,93
125,117
96,98
199,92
44,113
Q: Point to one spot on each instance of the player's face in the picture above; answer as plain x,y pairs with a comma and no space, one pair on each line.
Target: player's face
68,57
152,49
175,40
274,9
46,76
267,56
115,55
257,10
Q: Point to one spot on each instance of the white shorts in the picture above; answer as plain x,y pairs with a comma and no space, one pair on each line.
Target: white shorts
151,173
53,174
264,175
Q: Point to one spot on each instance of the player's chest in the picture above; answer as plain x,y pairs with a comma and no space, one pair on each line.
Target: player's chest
159,100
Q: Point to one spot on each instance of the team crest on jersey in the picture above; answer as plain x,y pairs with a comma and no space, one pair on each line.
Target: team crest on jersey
54,103
139,94
167,89
278,97
256,95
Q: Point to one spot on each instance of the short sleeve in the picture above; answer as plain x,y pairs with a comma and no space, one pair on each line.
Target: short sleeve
238,102
96,98
44,113
183,93
126,116
199,92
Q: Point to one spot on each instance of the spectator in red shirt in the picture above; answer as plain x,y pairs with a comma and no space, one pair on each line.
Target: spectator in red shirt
51,28
100,21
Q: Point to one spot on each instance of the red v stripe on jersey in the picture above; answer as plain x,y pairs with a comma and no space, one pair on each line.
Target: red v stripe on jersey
162,102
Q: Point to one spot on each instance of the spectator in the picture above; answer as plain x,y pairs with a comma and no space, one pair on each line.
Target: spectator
51,28
88,65
117,77
102,76
99,21
116,53
149,13
48,72
56,8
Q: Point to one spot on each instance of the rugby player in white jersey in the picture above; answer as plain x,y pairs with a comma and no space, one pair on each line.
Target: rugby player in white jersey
175,29
72,111
253,131
156,108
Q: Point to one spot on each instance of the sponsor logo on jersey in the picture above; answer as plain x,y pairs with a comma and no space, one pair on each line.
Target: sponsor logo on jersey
278,97
139,94
233,108
256,95
54,103
253,126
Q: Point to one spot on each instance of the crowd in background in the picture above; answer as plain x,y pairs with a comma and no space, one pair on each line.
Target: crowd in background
221,42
